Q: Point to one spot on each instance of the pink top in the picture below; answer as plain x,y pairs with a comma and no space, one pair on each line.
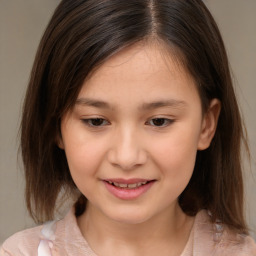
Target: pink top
64,238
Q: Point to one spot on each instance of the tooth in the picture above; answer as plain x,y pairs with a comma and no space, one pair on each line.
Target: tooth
123,185
132,185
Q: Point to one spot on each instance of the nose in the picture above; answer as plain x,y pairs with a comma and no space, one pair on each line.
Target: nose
127,150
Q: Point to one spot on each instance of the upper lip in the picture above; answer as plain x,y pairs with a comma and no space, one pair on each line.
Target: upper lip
128,181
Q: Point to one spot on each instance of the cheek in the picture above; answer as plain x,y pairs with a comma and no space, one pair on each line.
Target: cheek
176,153
84,160
83,155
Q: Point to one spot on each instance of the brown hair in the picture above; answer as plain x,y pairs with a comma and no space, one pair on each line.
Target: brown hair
81,35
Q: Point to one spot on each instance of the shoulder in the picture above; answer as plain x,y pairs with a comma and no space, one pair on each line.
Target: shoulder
235,244
62,237
35,241
22,243
217,239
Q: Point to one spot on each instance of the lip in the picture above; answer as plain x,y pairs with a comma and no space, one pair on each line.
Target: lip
128,181
128,193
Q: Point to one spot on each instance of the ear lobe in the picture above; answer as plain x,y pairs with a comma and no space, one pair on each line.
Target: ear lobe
209,124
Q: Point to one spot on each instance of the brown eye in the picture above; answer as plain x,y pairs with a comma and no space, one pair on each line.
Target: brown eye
160,122
95,122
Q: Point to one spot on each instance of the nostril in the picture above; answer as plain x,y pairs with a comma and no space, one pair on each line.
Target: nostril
127,159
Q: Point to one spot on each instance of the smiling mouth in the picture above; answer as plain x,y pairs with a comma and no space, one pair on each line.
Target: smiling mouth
128,189
128,186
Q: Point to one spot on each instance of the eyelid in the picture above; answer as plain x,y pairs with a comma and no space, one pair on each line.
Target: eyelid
168,120
87,121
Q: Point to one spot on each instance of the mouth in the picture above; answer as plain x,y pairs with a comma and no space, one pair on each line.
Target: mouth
128,189
128,185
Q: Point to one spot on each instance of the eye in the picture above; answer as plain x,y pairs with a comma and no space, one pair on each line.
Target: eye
95,122
160,122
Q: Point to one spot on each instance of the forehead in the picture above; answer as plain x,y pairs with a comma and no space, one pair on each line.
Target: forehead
142,70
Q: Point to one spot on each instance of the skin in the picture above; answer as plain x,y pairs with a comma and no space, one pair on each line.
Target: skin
128,141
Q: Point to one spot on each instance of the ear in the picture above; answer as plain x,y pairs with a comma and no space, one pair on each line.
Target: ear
59,141
209,124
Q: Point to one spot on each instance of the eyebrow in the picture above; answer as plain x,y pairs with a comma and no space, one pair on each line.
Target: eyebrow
145,106
164,103
92,103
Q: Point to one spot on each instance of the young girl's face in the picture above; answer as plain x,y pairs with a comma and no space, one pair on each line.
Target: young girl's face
131,139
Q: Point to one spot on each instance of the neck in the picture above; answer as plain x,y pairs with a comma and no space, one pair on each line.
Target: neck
168,231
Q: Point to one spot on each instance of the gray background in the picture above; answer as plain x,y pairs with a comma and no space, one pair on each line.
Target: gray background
21,25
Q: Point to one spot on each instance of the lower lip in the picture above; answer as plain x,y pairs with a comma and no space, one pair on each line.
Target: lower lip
128,194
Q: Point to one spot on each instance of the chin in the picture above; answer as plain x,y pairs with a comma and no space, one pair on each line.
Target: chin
130,217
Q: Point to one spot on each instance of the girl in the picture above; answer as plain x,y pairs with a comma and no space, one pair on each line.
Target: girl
130,111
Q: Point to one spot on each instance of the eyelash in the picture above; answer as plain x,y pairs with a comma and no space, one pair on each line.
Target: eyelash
166,121
89,121
104,122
